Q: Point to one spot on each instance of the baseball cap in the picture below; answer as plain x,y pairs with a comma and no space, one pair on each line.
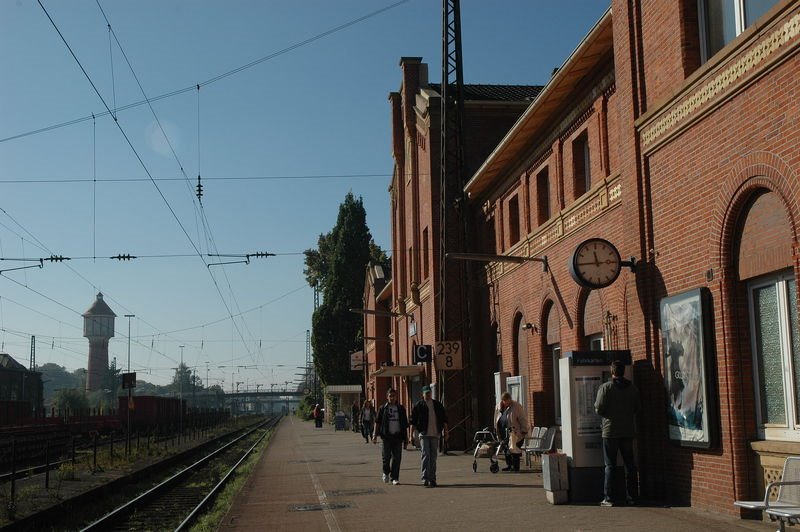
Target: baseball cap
426,389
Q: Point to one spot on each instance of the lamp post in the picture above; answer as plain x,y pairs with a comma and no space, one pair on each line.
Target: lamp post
180,395
130,390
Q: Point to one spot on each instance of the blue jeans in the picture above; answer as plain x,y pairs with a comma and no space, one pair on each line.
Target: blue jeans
625,447
430,449
367,429
392,455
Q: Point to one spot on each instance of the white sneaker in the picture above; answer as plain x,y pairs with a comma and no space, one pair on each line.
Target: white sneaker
395,482
386,478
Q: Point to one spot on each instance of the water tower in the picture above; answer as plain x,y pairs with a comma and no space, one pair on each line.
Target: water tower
98,327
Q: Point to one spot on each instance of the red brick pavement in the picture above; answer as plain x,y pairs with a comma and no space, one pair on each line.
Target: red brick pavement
305,469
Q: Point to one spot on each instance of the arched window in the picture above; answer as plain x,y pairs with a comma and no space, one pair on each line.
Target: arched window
593,323
520,347
764,264
552,354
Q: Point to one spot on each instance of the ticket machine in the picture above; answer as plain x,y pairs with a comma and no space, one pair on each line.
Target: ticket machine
581,374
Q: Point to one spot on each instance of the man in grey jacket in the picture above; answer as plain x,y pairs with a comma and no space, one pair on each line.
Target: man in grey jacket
618,402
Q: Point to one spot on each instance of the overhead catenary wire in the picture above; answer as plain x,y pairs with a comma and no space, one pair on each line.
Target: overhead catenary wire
211,80
139,159
198,205
67,180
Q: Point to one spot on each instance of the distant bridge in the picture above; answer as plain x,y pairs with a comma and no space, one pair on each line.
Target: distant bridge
271,402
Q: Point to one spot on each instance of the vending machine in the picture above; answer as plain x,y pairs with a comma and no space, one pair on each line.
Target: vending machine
581,374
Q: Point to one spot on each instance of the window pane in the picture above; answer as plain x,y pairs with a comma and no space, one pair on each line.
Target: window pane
768,345
794,334
720,24
754,9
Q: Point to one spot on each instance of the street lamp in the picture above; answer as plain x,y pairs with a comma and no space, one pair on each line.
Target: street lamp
130,390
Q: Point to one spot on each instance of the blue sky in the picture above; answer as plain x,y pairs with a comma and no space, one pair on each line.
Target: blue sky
305,127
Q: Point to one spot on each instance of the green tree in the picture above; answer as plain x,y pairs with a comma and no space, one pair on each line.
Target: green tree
72,400
183,381
55,377
337,267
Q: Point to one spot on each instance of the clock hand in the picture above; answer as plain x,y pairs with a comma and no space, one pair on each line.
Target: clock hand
596,260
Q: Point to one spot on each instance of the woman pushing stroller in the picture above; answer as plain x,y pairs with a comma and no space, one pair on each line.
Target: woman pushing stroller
511,421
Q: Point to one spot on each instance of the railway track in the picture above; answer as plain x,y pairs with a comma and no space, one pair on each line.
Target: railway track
174,503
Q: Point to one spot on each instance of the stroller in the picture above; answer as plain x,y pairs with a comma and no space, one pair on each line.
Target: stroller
487,445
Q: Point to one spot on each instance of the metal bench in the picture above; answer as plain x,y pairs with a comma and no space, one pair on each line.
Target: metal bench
785,508
543,443
533,441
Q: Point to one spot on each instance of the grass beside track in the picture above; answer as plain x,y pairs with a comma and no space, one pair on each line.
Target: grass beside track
211,520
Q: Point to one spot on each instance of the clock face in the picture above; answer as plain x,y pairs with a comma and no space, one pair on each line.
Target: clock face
595,263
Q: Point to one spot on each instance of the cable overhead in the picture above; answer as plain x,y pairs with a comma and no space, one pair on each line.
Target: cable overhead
138,157
208,81
204,219
54,180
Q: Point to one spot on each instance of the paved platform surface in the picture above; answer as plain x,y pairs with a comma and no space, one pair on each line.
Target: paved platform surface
320,479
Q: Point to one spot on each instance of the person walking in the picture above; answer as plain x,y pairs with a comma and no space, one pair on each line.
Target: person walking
618,402
429,420
511,421
367,420
317,416
391,424
355,417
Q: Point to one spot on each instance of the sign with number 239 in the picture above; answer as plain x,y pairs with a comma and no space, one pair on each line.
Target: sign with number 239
448,356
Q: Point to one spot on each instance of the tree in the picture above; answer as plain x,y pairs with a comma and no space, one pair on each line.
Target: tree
55,377
182,381
72,400
337,267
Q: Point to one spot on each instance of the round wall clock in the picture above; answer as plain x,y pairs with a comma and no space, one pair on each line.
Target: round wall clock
595,263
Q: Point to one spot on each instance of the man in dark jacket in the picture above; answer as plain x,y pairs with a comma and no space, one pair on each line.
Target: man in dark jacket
392,426
618,402
429,420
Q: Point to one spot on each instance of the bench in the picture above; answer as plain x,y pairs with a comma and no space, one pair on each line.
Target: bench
785,508
540,442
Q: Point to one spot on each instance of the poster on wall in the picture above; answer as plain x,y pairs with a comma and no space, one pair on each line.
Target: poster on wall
685,368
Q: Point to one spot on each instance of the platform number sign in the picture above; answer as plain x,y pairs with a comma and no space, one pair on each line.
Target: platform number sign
422,353
448,356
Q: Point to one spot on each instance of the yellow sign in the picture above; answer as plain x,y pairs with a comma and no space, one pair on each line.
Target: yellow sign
131,406
448,356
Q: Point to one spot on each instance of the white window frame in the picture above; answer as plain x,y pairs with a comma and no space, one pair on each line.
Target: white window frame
555,353
595,342
791,430
739,14
518,388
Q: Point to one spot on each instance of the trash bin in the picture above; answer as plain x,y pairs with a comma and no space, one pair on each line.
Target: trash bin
555,478
340,421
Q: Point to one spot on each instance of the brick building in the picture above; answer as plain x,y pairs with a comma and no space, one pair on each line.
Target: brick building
489,112
670,132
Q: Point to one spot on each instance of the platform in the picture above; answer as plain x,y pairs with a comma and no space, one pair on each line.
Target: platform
324,480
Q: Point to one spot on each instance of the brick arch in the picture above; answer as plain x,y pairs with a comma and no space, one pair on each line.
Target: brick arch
547,300
751,174
579,303
756,171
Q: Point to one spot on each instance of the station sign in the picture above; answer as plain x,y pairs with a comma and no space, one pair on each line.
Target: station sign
128,380
449,356
357,361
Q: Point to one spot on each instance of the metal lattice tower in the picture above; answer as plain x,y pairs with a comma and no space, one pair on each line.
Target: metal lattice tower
451,153
453,310
33,354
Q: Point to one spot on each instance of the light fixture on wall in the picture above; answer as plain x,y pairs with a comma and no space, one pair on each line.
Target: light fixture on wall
531,327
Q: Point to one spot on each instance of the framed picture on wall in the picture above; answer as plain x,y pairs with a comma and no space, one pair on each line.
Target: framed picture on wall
686,368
